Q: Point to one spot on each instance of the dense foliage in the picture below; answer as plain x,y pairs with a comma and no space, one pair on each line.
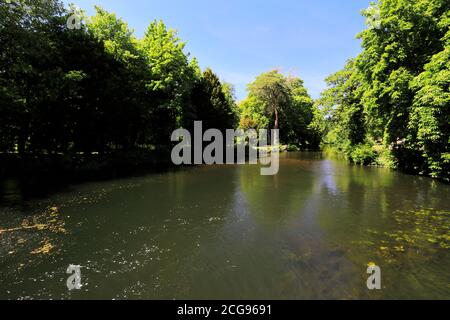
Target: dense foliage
280,102
95,87
391,104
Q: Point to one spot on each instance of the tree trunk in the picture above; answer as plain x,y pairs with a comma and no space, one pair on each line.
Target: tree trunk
276,118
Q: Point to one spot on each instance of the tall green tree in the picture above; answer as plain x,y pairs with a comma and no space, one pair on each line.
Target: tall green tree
126,84
28,33
272,89
95,88
170,77
342,110
280,102
395,49
430,116
389,105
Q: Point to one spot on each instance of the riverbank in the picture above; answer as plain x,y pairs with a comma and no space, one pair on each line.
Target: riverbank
376,157
91,166
83,166
42,174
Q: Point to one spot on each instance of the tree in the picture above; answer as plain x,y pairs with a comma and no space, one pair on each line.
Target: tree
282,102
430,116
405,37
389,105
298,115
253,114
272,89
342,109
96,88
27,33
213,103
170,77
125,84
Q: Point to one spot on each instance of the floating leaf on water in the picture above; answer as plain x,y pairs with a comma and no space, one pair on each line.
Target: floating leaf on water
45,249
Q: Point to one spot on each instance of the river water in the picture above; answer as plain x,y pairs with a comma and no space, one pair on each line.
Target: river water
226,232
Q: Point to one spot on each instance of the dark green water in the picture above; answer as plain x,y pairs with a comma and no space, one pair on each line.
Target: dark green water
227,232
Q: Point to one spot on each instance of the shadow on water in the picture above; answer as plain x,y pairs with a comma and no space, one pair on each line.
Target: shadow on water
41,185
228,232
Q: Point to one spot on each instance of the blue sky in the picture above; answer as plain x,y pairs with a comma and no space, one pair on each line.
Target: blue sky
240,39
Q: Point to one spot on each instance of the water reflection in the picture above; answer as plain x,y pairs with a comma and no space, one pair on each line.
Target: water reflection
228,232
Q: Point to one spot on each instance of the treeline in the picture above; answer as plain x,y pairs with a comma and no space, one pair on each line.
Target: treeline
391,104
93,87
281,102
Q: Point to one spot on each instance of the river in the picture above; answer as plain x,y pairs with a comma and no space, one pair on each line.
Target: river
226,232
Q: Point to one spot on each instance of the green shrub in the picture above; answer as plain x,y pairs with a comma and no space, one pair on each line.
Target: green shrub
363,154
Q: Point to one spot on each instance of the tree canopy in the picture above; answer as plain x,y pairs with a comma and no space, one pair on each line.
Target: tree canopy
280,102
390,104
97,88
